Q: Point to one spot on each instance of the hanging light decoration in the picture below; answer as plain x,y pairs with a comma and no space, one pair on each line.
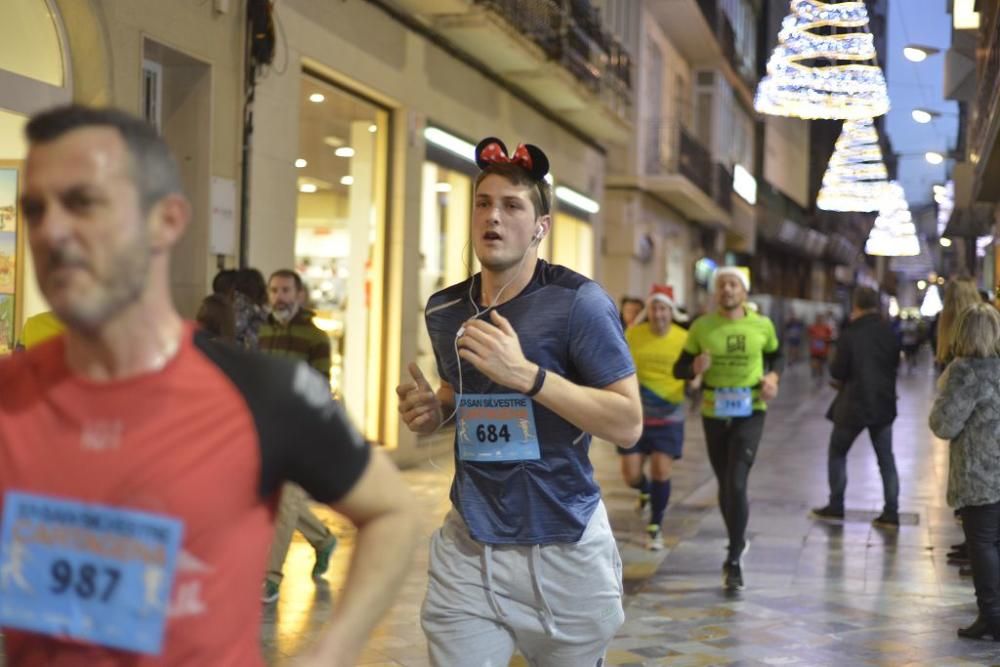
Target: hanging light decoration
855,179
815,72
893,234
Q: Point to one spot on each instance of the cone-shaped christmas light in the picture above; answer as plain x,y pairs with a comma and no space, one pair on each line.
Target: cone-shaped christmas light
855,179
894,234
824,65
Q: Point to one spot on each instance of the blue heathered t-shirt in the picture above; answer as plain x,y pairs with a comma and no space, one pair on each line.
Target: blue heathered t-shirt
569,325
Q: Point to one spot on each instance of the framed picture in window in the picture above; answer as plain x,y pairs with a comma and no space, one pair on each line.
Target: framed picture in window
11,253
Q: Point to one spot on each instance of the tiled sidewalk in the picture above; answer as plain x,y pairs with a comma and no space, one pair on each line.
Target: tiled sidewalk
817,593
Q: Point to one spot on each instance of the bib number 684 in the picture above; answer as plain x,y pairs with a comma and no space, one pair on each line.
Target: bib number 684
491,433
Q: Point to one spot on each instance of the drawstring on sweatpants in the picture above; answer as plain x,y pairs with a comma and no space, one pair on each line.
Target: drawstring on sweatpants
488,568
537,577
537,574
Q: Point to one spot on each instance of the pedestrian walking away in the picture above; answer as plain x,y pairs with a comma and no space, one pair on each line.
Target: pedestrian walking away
533,364
864,371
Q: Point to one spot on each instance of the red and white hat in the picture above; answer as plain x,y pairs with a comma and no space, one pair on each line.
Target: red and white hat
664,293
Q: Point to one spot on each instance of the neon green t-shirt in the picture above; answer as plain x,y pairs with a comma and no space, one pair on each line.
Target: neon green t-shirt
737,348
655,357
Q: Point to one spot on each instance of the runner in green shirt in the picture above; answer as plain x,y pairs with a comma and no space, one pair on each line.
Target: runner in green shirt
738,352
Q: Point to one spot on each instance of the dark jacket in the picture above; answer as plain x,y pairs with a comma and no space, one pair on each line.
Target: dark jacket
865,366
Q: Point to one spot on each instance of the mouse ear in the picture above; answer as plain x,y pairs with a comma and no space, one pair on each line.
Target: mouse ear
490,151
539,162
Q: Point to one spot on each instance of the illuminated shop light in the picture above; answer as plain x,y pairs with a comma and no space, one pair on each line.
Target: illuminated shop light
451,143
574,198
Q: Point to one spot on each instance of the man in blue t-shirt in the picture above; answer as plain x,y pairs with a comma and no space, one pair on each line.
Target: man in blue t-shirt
533,363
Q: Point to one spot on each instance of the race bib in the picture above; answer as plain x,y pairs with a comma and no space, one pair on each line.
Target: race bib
733,402
496,427
87,572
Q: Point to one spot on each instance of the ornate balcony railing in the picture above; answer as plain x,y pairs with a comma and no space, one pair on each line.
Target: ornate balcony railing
570,32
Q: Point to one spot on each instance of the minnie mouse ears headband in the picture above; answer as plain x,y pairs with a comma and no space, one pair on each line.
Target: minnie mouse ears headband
492,151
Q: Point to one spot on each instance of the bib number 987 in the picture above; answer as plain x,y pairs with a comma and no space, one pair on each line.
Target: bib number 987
491,433
86,581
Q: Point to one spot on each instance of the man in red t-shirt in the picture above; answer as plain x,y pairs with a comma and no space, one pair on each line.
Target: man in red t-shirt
820,336
141,462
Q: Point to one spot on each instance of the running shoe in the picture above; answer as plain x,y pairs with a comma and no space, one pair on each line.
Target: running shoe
886,520
271,592
640,506
827,513
654,537
323,554
732,576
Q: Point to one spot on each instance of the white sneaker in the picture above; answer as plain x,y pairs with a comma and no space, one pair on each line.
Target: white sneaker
654,538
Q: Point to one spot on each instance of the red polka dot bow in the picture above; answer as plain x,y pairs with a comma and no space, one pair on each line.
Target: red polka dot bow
494,153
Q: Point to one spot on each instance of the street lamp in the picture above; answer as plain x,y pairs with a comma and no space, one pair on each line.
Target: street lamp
933,157
918,52
945,242
924,116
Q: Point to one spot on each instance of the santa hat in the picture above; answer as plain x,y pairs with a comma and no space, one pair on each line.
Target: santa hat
664,293
741,273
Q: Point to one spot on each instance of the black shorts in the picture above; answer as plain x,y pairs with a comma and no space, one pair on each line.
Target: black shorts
664,438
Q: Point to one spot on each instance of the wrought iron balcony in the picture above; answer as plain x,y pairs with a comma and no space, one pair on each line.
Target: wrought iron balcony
556,51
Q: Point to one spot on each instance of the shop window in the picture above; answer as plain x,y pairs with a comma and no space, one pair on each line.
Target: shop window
445,251
573,244
31,45
340,242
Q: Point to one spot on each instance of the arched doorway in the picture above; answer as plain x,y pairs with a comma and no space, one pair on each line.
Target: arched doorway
34,74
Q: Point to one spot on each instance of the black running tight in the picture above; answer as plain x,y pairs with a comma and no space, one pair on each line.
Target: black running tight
732,446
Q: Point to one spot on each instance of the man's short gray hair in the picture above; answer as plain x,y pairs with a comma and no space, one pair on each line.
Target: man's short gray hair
154,170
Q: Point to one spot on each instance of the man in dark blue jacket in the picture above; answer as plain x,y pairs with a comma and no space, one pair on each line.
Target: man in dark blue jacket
864,371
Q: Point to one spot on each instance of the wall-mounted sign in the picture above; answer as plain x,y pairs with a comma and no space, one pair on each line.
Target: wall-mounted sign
744,184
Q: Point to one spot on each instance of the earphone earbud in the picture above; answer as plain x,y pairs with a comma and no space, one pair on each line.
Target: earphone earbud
538,234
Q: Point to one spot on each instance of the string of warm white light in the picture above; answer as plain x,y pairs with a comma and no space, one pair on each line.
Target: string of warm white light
855,179
894,234
850,86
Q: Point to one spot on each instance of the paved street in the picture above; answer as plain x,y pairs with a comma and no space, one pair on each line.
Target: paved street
817,594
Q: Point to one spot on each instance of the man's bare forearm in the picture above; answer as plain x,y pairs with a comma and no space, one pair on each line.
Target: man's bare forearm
378,567
383,509
610,413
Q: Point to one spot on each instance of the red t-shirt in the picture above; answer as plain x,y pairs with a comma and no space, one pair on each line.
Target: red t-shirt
819,339
208,440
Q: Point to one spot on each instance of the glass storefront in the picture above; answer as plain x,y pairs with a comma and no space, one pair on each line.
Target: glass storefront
340,237
446,255
573,243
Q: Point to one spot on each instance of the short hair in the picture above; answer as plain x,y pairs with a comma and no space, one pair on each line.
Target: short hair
865,298
538,190
250,283
288,273
224,281
977,332
154,170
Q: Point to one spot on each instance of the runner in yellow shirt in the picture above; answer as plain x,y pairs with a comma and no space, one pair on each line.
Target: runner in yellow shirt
39,328
656,343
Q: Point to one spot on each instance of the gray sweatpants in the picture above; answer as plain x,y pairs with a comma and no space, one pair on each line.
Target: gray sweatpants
559,604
